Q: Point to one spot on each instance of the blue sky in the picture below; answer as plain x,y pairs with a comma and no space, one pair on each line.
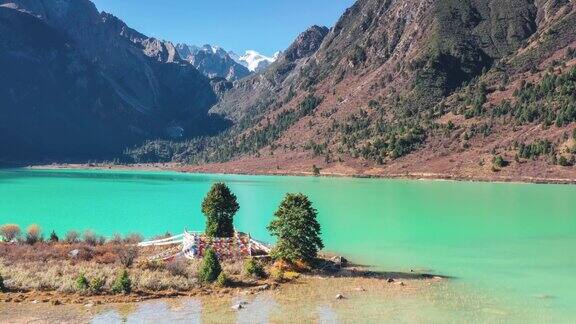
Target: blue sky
263,25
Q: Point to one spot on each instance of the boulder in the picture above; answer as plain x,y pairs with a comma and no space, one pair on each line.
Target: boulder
339,261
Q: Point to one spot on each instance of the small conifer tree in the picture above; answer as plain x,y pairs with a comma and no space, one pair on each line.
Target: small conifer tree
222,280
254,269
81,283
210,268
219,207
97,285
122,284
53,237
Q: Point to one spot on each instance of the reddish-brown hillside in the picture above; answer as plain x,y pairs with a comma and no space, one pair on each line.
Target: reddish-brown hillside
439,88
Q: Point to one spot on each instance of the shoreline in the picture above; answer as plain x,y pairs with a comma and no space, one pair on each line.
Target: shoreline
240,285
393,280
392,176
302,301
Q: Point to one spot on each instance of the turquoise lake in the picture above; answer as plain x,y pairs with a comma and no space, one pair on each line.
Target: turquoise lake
510,248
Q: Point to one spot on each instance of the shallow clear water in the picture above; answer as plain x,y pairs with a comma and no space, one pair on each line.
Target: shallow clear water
510,247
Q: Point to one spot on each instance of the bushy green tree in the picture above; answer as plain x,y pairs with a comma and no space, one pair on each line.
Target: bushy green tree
254,268
222,280
210,268
96,285
297,230
315,170
122,284
219,207
81,283
499,162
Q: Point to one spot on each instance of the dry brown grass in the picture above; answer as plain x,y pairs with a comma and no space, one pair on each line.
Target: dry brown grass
48,266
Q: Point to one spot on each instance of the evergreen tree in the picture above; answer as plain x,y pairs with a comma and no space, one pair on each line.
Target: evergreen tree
81,283
219,207
122,284
315,170
297,230
210,268
252,268
53,237
222,280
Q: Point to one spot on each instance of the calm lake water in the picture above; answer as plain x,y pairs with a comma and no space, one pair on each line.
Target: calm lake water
511,248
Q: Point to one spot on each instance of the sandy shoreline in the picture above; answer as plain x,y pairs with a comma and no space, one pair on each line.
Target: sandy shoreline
208,169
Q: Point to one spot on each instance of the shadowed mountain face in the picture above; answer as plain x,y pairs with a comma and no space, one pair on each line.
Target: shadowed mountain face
79,84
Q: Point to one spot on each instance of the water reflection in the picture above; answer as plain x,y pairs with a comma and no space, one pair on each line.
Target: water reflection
185,311
327,315
257,311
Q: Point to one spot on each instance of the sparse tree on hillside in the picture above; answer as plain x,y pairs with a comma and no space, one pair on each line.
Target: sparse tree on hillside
219,207
315,170
297,230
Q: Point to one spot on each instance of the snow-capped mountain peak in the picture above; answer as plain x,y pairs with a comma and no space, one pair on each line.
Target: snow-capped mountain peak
254,61
213,61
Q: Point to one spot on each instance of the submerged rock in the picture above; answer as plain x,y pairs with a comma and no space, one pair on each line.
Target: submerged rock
240,305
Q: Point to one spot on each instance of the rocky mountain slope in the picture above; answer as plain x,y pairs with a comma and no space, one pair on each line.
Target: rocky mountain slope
79,84
442,88
213,61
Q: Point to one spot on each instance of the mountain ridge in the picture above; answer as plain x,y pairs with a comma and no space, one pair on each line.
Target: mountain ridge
213,61
104,87
416,86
